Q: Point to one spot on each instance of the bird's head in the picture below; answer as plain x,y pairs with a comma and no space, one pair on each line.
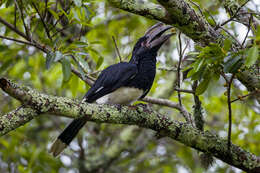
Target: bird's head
153,39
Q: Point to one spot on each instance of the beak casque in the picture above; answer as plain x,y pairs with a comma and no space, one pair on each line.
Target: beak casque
155,35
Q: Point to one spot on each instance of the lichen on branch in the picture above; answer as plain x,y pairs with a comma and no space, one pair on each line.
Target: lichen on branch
38,103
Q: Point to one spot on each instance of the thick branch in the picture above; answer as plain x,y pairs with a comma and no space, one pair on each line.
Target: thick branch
16,118
137,115
173,12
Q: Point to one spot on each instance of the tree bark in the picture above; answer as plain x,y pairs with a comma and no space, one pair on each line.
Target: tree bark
38,103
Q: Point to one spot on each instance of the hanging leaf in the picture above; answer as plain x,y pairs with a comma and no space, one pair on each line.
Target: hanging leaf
232,65
203,86
82,63
66,69
197,65
252,56
197,75
227,44
56,16
58,56
78,3
6,65
100,62
74,82
49,59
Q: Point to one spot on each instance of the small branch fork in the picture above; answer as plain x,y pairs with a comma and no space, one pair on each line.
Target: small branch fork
234,15
181,51
117,50
43,22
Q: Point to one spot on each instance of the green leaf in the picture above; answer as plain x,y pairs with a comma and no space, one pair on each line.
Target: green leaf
66,69
58,56
197,75
258,33
213,50
197,65
82,62
202,86
227,44
78,3
252,56
74,82
3,48
81,44
56,16
6,65
232,64
49,59
100,62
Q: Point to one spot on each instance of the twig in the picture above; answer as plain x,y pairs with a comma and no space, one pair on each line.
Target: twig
244,96
60,17
201,12
117,50
16,40
235,15
184,90
24,24
178,69
82,68
46,9
15,15
229,110
249,28
167,69
85,78
162,102
24,42
168,103
198,7
13,28
59,30
42,20
231,36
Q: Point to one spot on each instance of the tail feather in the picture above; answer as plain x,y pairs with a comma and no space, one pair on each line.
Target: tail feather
57,147
67,136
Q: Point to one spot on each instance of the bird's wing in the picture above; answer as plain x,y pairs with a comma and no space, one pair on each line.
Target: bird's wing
110,79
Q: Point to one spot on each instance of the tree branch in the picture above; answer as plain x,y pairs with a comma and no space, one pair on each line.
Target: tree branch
131,115
173,12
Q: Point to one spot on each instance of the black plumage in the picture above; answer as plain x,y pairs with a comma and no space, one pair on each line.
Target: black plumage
121,83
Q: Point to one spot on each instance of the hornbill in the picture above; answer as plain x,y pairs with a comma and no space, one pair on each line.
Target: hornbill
121,83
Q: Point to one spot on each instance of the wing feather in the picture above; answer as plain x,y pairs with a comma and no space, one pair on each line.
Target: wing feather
110,79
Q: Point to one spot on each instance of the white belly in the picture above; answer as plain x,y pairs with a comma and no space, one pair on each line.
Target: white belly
123,96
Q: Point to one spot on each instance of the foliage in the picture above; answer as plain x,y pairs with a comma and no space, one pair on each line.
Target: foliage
77,35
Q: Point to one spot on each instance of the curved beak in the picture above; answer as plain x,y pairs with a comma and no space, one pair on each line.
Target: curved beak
155,35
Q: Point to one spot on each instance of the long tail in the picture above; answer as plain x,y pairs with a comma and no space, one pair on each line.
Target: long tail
67,136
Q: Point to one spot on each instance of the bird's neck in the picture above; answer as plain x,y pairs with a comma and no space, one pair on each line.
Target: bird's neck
141,60
146,72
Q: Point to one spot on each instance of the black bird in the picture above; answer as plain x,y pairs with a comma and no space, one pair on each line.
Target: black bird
121,83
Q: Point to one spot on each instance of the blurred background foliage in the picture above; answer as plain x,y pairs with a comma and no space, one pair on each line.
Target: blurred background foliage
84,29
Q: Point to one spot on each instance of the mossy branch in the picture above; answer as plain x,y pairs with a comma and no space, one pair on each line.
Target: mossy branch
39,103
173,12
